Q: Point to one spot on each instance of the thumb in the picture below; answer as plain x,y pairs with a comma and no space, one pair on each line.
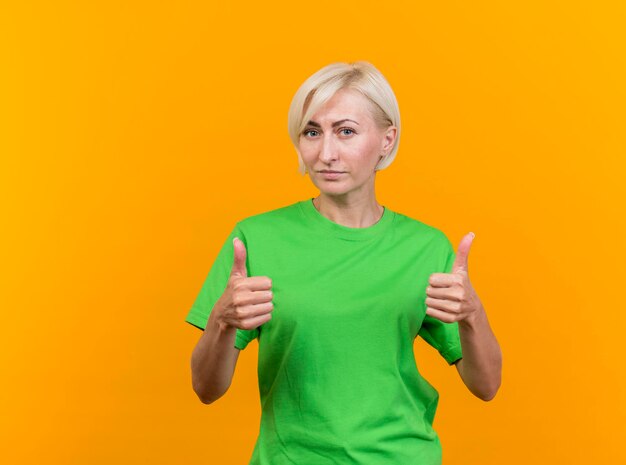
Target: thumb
460,261
239,258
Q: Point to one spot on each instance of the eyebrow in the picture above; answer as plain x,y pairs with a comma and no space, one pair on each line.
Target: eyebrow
336,123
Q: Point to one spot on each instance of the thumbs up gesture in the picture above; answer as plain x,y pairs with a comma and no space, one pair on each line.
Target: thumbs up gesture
247,301
450,296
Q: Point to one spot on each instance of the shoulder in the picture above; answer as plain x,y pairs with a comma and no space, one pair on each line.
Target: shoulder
274,218
428,236
427,232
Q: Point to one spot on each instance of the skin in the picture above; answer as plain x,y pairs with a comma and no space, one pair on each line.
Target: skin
451,297
355,147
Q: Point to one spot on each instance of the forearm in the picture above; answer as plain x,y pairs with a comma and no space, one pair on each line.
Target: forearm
481,365
213,360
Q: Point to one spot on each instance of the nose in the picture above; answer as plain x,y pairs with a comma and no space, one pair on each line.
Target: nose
328,151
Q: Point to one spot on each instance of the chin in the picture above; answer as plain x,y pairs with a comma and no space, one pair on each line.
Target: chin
338,191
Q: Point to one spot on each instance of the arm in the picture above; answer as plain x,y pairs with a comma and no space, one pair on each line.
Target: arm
481,365
214,359
451,297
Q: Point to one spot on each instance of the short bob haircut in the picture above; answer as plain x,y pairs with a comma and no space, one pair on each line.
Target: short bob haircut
322,85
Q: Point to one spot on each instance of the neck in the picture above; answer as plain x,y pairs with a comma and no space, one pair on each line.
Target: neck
360,213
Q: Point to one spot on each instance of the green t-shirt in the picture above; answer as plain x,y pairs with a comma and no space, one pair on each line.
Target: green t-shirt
337,374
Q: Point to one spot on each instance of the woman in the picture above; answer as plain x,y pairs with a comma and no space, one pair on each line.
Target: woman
335,289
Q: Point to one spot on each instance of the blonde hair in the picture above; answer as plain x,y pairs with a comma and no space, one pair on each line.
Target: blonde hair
322,85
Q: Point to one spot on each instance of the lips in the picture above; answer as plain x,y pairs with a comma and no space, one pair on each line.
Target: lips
331,175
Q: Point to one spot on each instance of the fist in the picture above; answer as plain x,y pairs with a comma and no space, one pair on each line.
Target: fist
247,301
450,296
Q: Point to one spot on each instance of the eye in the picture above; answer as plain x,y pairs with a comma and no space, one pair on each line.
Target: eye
306,131
347,129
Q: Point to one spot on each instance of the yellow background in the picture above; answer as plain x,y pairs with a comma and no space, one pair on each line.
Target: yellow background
135,134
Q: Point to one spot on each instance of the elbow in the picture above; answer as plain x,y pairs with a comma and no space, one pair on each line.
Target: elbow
204,395
490,386
488,394
206,400
207,396
207,391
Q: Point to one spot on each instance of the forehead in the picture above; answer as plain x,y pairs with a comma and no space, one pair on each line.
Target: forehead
346,103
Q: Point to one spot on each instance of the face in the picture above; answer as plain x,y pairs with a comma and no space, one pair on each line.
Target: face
343,137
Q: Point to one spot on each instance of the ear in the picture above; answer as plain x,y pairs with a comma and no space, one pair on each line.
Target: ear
389,139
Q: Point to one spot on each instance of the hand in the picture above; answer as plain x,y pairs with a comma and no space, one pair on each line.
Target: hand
450,296
247,301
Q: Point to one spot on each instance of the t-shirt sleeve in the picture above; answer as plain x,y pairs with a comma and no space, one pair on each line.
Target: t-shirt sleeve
214,286
443,336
